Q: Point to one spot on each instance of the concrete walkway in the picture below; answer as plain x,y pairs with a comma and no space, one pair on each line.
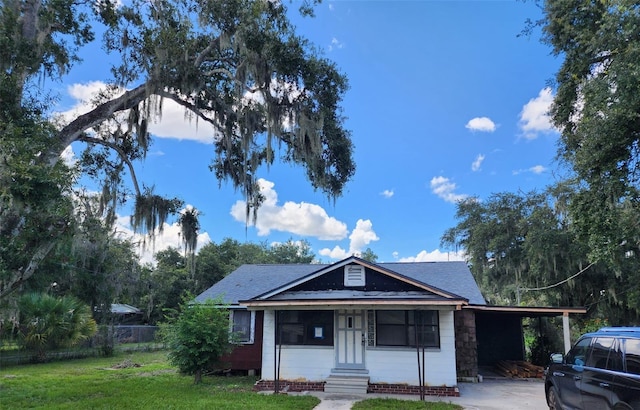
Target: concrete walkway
489,395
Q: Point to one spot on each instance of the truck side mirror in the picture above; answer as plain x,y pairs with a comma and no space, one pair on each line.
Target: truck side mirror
556,357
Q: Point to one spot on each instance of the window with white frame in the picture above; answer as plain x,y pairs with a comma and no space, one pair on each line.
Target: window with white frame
242,325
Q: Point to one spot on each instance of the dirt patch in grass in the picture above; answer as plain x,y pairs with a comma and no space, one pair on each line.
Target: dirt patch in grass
126,364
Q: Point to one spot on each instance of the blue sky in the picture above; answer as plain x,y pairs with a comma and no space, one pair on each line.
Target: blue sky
446,102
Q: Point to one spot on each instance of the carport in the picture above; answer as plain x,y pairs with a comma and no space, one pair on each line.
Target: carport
499,332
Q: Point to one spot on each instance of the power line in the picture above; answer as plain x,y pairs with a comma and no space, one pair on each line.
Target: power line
561,282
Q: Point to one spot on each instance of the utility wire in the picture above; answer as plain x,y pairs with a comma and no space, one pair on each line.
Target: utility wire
561,282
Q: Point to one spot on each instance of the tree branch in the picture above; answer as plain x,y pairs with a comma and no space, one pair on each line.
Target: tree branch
121,154
75,129
22,275
213,43
190,107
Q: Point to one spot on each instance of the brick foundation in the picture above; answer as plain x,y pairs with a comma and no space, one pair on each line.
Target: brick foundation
382,388
288,385
386,388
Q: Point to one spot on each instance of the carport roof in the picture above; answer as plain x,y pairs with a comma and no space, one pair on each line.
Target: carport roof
528,311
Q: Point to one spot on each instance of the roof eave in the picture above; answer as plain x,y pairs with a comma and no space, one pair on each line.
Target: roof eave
456,303
538,310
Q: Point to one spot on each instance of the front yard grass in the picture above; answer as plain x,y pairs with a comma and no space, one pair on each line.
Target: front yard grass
117,383
395,404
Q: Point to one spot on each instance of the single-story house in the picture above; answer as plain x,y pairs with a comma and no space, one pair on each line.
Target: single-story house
357,326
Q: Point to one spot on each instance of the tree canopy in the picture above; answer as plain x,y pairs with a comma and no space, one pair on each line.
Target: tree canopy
523,249
235,64
597,110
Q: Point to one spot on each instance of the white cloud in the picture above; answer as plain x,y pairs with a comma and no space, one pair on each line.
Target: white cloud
297,218
475,166
482,124
335,44
170,237
534,117
435,256
361,236
335,253
171,124
387,193
68,157
444,188
536,169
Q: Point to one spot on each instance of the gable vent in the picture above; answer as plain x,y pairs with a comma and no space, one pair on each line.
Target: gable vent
354,275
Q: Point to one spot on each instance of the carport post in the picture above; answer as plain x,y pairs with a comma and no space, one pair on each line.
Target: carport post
566,332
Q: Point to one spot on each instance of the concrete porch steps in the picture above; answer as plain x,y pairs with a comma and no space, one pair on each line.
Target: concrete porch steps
346,384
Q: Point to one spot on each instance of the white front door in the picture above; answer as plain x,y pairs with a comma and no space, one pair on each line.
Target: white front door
350,342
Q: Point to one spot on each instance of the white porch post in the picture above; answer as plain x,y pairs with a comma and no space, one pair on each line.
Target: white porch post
566,332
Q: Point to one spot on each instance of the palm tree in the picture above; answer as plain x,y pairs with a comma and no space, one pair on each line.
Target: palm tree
47,322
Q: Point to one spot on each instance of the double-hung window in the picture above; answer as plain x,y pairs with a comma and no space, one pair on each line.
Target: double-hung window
242,326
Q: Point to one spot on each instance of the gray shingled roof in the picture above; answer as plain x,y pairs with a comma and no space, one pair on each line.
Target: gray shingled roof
249,281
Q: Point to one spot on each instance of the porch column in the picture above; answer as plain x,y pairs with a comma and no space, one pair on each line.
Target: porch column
566,332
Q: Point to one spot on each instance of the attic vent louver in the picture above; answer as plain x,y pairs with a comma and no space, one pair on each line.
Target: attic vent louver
354,275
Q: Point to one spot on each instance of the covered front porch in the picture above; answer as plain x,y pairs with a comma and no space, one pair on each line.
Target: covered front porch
360,349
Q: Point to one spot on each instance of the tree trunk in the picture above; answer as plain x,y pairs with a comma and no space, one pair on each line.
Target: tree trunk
19,277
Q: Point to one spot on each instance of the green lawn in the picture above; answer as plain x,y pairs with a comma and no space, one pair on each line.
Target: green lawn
118,383
96,383
394,404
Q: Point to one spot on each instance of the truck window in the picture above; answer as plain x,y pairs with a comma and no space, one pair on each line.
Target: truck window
600,352
578,354
632,355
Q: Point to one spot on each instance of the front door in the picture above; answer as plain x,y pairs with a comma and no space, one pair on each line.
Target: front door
350,332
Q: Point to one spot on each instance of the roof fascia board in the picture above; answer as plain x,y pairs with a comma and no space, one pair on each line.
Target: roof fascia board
456,304
527,309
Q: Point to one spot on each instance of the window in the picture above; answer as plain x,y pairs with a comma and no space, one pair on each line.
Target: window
600,352
242,325
400,327
632,355
305,327
578,354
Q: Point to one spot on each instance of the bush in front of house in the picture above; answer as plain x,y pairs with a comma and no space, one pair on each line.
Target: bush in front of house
197,337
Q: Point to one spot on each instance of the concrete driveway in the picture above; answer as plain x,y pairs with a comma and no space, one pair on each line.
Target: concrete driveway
500,394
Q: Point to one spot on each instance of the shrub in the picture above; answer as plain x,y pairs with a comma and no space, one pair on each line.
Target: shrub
47,322
198,337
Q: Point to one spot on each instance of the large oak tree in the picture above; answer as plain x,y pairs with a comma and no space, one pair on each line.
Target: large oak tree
237,65
597,110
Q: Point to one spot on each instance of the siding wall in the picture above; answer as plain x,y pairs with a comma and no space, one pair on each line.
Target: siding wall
312,363
385,365
248,356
